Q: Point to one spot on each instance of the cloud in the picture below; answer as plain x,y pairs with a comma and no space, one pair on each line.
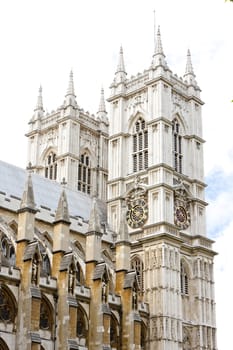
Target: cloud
219,195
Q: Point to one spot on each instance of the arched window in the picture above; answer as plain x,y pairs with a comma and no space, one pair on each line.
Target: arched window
84,174
3,345
79,274
45,315
143,336
137,265
45,268
51,166
184,281
114,333
81,327
177,146
7,251
7,306
140,146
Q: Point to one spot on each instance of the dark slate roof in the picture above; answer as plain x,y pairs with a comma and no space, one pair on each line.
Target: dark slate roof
66,261
46,192
99,271
129,279
30,250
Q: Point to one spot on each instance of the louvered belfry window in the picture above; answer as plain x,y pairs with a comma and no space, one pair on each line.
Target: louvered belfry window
140,146
84,174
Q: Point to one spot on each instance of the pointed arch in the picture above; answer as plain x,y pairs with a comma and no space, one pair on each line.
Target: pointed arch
79,274
182,122
114,333
8,305
139,138
144,335
45,266
177,145
82,326
185,275
7,250
138,266
138,113
3,345
46,314
84,171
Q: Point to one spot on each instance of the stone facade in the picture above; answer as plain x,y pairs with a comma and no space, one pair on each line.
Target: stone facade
128,268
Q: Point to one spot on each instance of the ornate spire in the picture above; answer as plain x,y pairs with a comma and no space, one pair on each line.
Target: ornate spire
158,43
70,90
102,107
189,67
94,221
39,110
159,56
123,229
121,65
102,114
28,195
120,75
62,213
39,105
70,94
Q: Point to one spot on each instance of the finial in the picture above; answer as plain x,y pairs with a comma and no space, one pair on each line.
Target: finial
102,107
62,212
63,183
70,95
39,105
70,90
102,114
29,168
189,67
154,32
94,221
121,65
28,195
123,229
158,43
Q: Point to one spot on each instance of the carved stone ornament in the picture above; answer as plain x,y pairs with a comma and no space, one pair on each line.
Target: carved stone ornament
182,216
137,213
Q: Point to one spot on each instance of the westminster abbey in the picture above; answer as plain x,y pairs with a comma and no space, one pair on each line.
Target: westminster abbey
103,242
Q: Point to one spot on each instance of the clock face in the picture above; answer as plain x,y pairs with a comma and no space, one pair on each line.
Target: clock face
137,213
181,214
182,217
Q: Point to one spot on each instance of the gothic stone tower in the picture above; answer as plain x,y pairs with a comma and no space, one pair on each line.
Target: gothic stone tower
156,136
70,144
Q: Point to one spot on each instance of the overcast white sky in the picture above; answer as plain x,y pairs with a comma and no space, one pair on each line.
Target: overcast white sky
42,40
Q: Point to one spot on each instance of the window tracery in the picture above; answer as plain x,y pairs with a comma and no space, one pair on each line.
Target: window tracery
137,265
79,274
81,330
7,251
51,166
7,307
45,315
177,146
184,281
114,333
84,174
140,146
3,345
45,268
